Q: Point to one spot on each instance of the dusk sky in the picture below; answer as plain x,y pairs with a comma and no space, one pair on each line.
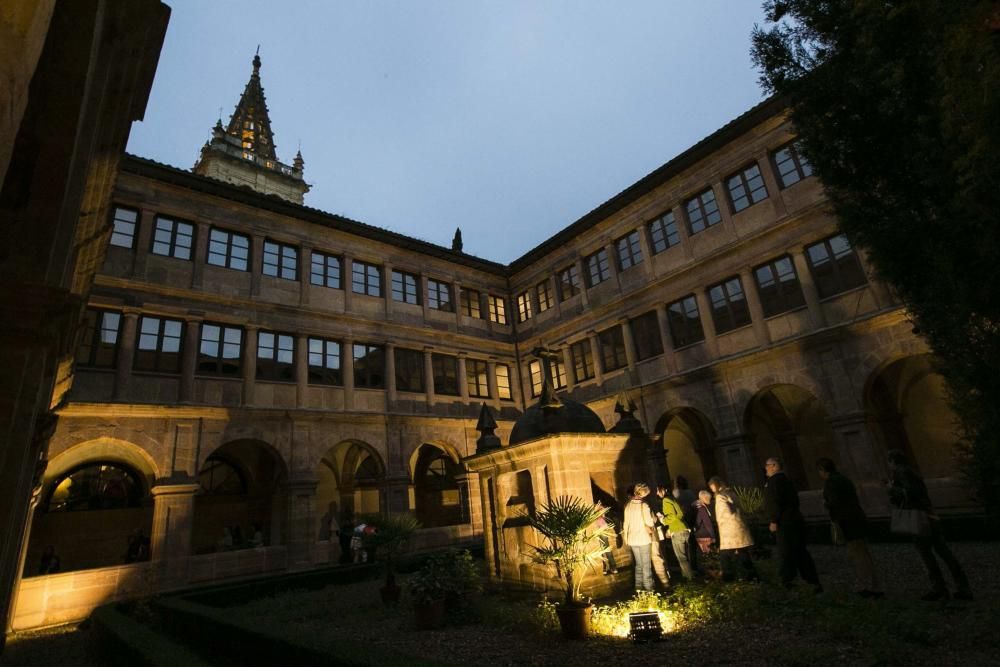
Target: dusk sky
508,119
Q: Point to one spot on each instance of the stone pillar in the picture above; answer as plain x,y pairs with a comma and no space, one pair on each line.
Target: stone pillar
189,361
390,373
463,382
126,353
429,377
347,368
737,461
302,370
256,264
305,275
173,519
422,282
809,291
774,191
707,323
669,358
301,533
397,493
456,301
387,287
567,355
249,363
760,330
595,353
629,344
468,489
491,381
647,251
609,248
143,242
199,257
348,282
581,272
722,199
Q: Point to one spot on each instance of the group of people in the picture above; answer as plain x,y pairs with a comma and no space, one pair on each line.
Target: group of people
232,538
348,535
691,524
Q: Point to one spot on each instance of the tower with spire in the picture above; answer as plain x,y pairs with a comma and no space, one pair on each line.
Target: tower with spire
243,152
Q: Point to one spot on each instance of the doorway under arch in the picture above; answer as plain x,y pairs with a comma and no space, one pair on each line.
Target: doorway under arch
438,497
351,478
688,440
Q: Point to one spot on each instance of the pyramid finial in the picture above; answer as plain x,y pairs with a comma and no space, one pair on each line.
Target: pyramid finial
486,425
256,61
456,242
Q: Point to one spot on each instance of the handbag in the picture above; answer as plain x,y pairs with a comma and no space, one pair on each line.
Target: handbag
916,523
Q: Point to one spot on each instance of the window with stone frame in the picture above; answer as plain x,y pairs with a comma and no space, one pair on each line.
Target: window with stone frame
439,296
543,291
123,224
98,345
535,375
523,307
629,249
172,238
729,305
684,322
646,335
409,370
583,360
219,350
324,362
557,373
702,211
791,164
369,366
663,232
280,260
158,348
228,250
469,302
326,270
497,309
503,381
569,282
445,369
835,266
275,356
778,286
598,269
405,287
477,378
746,188
95,485
366,278
613,355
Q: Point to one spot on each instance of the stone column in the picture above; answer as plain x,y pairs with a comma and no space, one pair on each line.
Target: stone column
387,287
143,242
491,381
199,257
189,362
456,301
422,282
669,358
249,363
173,519
647,251
302,370
126,353
629,342
737,461
609,248
707,323
305,275
429,377
760,330
468,488
581,272
722,199
684,233
809,291
301,532
774,191
567,355
397,493
256,264
390,373
347,370
348,282
595,353
463,383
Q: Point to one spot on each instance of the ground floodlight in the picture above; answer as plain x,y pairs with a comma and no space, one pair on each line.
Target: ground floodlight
645,626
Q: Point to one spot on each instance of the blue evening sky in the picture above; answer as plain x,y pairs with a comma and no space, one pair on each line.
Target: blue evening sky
509,119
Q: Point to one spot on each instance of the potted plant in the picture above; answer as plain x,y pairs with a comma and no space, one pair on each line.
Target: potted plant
573,542
390,535
428,588
751,503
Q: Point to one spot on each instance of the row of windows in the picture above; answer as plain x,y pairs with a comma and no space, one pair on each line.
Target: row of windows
231,250
745,188
159,349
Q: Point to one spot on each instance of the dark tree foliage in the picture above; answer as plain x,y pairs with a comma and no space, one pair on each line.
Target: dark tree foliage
897,103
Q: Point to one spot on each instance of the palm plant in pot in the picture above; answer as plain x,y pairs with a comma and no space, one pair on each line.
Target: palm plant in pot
573,542
392,531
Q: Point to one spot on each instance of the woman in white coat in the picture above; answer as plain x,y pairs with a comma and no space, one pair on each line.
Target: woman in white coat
735,539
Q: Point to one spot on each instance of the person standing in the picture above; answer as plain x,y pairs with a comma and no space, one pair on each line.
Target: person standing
637,530
846,513
704,528
908,491
688,499
735,539
782,507
672,516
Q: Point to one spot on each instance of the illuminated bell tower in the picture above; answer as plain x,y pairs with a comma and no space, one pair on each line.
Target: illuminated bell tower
244,152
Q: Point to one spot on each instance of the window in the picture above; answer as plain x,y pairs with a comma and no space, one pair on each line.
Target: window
404,287
324,362
172,238
597,267
123,227
325,270
646,336
792,166
159,346
746,188
275,357
369,366
835,266
729,305
476,378
702,211
612,349
629,250
220,477
366,279
98,347
409,370
523,307
583,360
778,287
663,232
469,302
228,249
569,282
219,352
445,374
557,373
685,322
503,381
535,374
96,486
498,312
281,261
543,291
439,296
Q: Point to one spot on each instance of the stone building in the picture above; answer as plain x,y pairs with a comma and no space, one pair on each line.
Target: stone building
251,362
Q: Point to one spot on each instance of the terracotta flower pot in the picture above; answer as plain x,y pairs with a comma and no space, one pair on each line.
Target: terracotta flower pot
429,615
574,620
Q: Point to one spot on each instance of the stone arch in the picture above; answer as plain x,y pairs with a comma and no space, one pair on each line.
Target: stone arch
438,497
789,422
688,439
351,480
104,449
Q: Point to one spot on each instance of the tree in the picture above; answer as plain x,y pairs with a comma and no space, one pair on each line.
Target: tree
897,106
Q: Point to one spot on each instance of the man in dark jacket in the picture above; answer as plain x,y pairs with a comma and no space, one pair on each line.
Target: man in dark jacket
782,507
847,515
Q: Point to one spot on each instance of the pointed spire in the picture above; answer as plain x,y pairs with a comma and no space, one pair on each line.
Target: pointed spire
456,242
627,423
250,122
486,425
298,163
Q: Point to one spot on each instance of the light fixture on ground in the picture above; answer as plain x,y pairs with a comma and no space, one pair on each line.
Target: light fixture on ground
645,626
